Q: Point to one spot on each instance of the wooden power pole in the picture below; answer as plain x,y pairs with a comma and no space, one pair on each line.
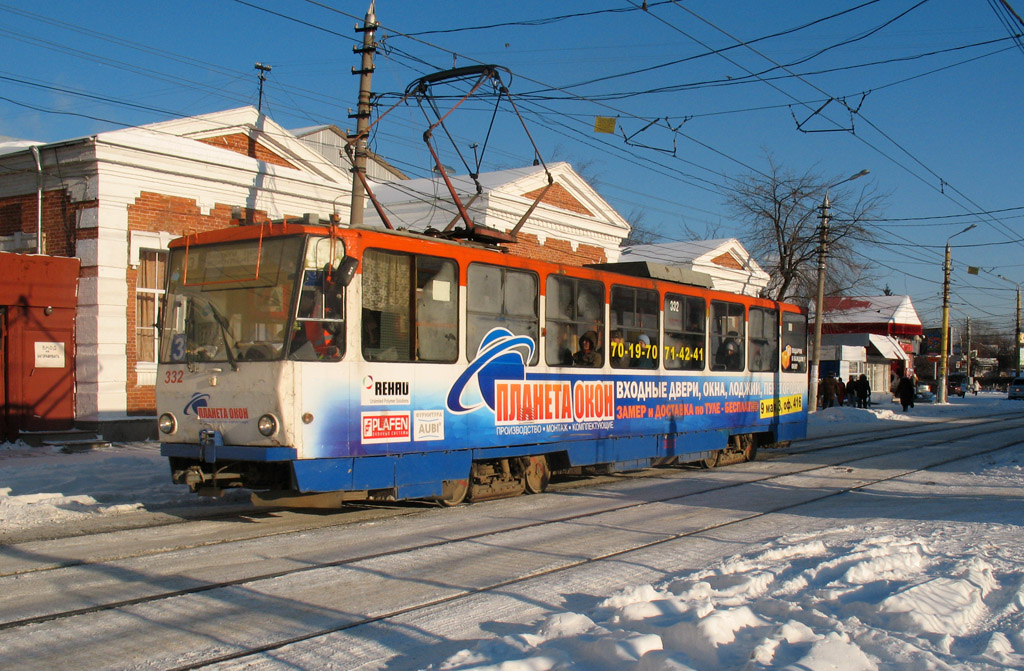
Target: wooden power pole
362,115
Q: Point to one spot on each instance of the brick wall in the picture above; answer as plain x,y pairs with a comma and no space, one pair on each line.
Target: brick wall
558,196
557,251
18,213
154,212
243,144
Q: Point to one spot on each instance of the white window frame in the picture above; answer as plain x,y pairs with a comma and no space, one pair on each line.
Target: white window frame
145,371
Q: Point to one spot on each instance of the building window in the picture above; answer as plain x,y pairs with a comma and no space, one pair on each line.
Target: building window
149,290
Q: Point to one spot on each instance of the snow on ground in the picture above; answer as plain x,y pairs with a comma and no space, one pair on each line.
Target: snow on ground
940,589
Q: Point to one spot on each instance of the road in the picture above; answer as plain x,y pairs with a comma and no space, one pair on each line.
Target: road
407,586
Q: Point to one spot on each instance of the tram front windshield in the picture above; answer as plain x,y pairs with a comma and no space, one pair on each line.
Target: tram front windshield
230,302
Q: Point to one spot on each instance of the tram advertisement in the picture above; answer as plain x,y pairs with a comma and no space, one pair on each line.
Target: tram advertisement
497,399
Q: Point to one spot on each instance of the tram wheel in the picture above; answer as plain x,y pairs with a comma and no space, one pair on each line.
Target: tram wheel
712,461
536,475
454,492
748,446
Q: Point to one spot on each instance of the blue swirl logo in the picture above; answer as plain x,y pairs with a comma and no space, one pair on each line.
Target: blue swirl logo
198,400
501,356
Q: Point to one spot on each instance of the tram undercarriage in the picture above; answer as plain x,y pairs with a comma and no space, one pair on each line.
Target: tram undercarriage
273,483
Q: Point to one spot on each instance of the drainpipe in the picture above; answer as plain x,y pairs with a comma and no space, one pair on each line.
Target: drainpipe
39,199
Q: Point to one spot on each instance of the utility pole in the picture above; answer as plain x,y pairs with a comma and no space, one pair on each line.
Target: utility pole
362,115
263,70
944,349
968,347
819,306
1017,334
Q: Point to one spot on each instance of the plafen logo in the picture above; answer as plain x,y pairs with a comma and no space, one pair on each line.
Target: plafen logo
199,405
384,427
385,392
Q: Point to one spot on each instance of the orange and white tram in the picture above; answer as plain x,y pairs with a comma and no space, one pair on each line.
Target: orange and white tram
368,364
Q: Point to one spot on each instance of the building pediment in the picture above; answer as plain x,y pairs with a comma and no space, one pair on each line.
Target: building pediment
247,132
727,261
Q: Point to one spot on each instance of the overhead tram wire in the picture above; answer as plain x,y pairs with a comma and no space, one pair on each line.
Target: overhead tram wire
859,114
709,52
622,113
760,77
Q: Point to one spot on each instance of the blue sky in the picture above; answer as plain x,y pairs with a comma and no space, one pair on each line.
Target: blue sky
935,85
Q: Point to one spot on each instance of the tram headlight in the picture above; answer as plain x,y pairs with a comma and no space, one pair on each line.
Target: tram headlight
167,423
267,425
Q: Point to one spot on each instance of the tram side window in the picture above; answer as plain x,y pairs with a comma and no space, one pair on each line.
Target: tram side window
501,298
410,307
728,328
763,353
634,328
319,331
794,342
685,332
574,313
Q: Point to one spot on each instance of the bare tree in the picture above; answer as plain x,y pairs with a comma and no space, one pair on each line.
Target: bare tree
640,230
782,213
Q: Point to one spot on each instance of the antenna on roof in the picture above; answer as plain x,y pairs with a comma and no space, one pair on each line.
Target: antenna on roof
263,70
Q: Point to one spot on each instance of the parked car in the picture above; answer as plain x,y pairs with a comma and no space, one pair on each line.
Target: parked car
924,394
1016,390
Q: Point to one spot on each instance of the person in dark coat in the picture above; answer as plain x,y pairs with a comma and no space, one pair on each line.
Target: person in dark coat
828,391
863,391
840,391
905,390
587,355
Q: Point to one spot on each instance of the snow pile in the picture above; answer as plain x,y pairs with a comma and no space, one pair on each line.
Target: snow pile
42,485
828,602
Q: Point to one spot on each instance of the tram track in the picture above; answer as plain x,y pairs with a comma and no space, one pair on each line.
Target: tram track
999,426
376,512
448,600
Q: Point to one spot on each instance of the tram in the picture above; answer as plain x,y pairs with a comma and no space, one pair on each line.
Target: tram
319,363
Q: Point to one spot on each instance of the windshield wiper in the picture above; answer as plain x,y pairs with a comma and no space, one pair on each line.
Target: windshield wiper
225,333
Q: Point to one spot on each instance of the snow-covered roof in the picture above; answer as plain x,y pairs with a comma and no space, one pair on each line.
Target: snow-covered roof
10,145
570,209
431,187
871,310
726,259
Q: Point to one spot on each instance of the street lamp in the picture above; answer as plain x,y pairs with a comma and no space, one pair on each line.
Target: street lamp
944,347
812,402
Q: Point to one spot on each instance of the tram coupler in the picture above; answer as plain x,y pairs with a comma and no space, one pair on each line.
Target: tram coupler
209,440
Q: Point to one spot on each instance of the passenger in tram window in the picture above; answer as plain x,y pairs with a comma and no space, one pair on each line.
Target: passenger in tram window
371,329
730,353
588,354
646,354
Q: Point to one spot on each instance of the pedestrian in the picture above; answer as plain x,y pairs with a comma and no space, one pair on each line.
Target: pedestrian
905,390
828,391
863,391
851,390
840,391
